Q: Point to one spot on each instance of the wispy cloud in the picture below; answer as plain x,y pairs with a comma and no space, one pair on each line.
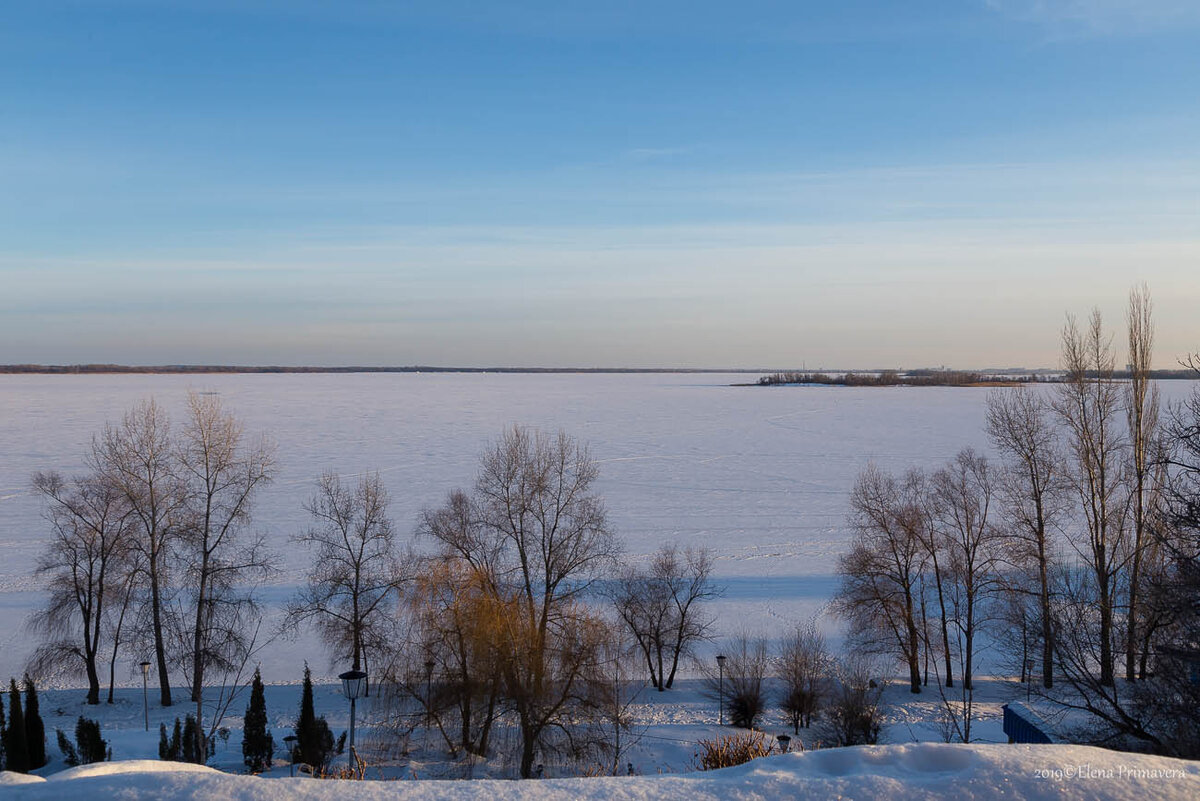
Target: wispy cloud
652,153
1103,17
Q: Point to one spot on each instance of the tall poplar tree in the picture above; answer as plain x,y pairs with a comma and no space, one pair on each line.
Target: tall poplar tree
35,730
257,743
15,749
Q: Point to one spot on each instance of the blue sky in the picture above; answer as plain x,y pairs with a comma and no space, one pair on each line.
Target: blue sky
578,183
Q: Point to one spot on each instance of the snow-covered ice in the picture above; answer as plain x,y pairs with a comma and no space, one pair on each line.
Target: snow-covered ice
758,474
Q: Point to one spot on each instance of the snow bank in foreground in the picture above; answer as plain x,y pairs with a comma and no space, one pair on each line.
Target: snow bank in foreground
895,773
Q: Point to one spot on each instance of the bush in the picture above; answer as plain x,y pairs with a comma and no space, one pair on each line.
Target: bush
16,752
70,755
745,707
736,749
169,749
191,742
257,742
803,665
35,730
314,740
746,666
92,747
853,716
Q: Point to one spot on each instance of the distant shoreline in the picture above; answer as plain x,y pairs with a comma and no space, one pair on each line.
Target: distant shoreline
769,376
194,369
938,378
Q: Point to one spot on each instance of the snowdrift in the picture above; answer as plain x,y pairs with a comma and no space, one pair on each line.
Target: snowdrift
894,773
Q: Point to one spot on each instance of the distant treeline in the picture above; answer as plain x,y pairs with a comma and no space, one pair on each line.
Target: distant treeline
56,369
942,378
924,377
893,378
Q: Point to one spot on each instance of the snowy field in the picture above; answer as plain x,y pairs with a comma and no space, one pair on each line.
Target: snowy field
758,474
866,773
665,732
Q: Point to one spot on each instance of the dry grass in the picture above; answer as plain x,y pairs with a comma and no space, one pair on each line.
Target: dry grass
736,749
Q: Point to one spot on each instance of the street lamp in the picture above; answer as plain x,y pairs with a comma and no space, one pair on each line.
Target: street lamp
784,741
291,747
352,683
721,687
146,693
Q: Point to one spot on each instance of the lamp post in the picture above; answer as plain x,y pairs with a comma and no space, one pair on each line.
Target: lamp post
291,746
721,687
146,693
784,741
352,682
1028,678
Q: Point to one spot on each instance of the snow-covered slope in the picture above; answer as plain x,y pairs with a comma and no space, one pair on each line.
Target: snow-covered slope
894,773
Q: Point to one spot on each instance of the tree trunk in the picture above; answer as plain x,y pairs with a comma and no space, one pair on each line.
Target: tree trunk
160,649
198,632
914,646
937,577
654,678
969,634
1047,622
93,695
1135,573
201,740
1107,678
486,729
527,750
112,660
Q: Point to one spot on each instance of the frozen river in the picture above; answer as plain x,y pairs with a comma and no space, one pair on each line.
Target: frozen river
759,475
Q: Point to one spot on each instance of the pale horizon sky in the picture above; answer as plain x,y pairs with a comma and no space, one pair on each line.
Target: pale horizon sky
620,184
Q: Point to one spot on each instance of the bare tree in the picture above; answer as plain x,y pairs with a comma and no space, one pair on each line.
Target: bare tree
84,565
1032,490
804,667
357,575
739,684
956,714
661,608
1170,695
539,537
882,572
137,458
219,478
962,499
1079,653
126,601
1141,405
854,715
220,562
1162,710
1088,403
619,692
460,628
1016,624
915,515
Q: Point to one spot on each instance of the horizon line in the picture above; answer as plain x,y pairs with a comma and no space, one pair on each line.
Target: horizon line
101,367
